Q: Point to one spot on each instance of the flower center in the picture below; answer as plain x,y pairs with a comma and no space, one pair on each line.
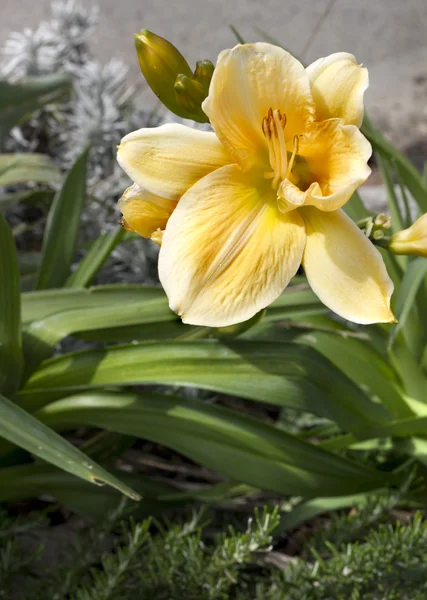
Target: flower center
273,127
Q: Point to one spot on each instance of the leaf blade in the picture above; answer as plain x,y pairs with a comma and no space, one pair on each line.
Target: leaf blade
11,358
60,237
24,430
276,373
235,445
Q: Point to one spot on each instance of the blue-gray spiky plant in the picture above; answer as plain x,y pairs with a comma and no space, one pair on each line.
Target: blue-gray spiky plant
100,111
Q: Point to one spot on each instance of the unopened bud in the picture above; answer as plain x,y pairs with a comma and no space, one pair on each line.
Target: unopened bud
378,234
203,74
411,241
161,63
383,221
190,95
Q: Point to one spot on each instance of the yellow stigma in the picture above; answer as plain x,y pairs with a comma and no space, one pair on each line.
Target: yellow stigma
273,127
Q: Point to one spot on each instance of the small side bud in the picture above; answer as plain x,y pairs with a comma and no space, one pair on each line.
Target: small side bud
203,73
378,234
411,241
161,63
190,95
383,221
170,77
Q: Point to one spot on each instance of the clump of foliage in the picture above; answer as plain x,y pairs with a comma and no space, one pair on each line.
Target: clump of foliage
99,111
385,560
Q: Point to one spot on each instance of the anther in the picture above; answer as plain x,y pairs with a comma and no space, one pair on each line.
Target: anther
265,128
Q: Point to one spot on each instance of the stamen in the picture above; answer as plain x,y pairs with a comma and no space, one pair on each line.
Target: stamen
291,161
273,126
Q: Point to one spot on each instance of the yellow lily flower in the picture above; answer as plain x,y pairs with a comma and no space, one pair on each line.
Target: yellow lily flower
263,193
411,241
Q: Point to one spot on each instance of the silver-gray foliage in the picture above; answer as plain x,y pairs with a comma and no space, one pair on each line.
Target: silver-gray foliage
100,111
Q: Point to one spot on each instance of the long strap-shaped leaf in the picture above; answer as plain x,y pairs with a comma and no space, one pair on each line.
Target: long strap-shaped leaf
60,237
19,100
233,444
414,276
21,168
277,373
37,305
95,259
10,313
409,174
41,337
26,431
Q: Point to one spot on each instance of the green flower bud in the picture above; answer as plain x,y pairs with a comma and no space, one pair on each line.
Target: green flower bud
161,63
203,73
190,95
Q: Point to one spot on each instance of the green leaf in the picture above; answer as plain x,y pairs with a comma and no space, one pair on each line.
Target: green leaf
235,445
60,236
409,370
281,374
10,313
29,262
237,35
408,173
32,196
95,259
31,480
40,304
312,508
414,276
364,365
128,321
355,208
386,175
26,431
19,100
21,168
295,303
41,337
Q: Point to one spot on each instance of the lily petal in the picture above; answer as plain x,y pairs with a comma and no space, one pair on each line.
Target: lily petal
337,157
338,83
144,212
344,268
228,251
169,159
247,81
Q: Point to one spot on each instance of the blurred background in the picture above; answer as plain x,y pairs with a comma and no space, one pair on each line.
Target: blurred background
388,36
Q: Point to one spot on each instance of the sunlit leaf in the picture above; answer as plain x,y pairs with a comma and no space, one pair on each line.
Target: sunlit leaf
280,374
230,443
60,236
26,431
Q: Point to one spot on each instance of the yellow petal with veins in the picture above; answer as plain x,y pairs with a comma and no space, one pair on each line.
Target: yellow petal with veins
249,80
344,268
144,212
338,84
336,157
228,251
169,159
